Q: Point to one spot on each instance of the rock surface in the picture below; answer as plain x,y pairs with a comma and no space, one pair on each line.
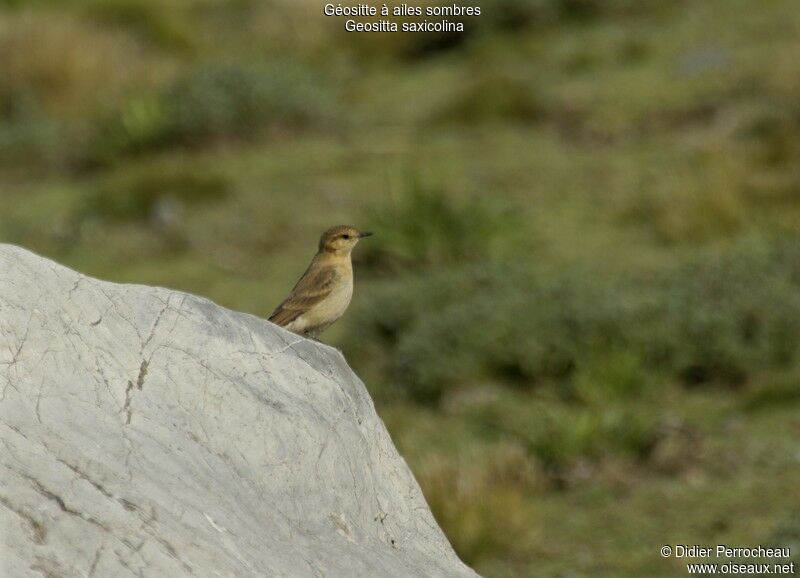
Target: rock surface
146,432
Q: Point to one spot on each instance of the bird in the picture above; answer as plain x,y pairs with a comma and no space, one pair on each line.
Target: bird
323,293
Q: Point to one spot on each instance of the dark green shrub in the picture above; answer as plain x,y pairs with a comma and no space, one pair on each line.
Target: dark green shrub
519,14
136,195
715,319
773,391
158,22
562,435
609,375
425,225
212,103
233,100
33,139
493,96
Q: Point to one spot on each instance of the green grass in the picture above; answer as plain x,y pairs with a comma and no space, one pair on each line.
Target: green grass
579,313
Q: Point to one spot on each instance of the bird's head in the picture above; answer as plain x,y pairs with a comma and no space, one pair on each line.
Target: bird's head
340,240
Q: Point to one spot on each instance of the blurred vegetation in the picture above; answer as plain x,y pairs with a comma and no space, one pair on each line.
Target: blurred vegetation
580,313
716,319
424,225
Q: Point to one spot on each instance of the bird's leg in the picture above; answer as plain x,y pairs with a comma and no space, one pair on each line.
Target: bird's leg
313,336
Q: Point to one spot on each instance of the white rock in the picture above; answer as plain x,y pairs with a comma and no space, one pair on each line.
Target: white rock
146,432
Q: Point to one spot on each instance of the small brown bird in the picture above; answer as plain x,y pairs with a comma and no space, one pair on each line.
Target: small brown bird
323,293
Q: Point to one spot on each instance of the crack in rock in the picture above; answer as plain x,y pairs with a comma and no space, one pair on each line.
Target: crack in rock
129,390
38,530
142,374
127,406
59,501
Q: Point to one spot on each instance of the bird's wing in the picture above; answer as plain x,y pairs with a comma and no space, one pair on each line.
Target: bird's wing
314,286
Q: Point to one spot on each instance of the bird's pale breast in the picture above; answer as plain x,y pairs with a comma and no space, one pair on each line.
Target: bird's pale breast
329,309
332,307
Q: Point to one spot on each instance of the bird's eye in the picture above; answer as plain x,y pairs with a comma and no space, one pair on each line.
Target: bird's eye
346,236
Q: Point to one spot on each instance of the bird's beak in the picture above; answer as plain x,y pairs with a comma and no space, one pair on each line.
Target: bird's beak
364,234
